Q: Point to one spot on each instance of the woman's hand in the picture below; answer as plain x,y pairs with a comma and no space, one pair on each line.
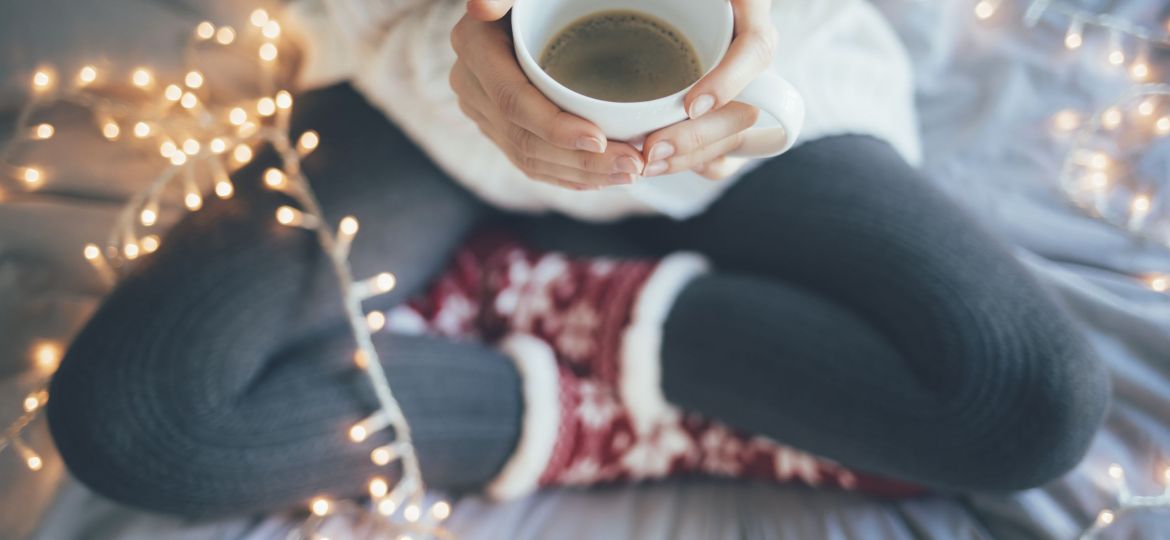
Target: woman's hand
718,124
544,142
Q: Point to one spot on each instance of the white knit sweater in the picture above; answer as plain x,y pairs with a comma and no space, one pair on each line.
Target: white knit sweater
840,54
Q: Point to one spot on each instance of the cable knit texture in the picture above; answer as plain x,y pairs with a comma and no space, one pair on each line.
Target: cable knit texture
840,54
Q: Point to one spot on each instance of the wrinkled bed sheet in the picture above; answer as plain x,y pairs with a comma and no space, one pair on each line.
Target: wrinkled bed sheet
985,95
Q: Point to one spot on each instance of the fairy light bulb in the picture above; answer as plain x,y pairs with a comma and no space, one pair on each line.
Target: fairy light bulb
266,106
224,188
32,176
359,359
191,147
238,116
1066,120
259,18
1160,283
411,513
1098,160
358,433
441,510
87,75
32,460
275,179
1105,517
271,30
1074,37
142,130
381,456
1162,126
110,130
1098,180
1146,107
167,148
142,77
1139,207
43,131
375,321
193,201
205,31
42,80
984,9
31,403
284,100
1140,69
308,142
385,282
1111,118
320,506
268,52
189,101
131,251
178,159
217,146
47,355
173,93
1116,51
92,252
348,226
150,244
378,488
242,154
225,35
1115,471
386,507
149,215
194,79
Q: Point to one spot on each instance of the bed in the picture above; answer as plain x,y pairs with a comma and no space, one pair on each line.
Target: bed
986,93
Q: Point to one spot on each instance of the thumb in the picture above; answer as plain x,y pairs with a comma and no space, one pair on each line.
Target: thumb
489,10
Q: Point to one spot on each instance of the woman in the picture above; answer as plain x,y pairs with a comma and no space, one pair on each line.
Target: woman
845,308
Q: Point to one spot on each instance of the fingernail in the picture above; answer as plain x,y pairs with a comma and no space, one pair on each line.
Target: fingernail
621,179
627,164
661,151
701,106
656,168
591,144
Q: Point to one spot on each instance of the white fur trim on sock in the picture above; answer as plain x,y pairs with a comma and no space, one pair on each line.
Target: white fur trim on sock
640,363
537,365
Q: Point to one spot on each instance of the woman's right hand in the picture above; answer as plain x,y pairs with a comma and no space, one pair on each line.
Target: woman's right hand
546,143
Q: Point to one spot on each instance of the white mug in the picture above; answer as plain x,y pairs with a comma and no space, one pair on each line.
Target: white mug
709,26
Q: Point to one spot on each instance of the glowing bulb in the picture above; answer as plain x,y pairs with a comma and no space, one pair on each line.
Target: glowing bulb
378,488
194,79
271,30
358,433
131,251
411,513
320,506
1160,283
1099,160
191,147
42,80
385,281
193,201
1115,471
150,243
1146,107
1073,40
225,35
141,77
359,359
167,149
44,131
111,130
1116,52
32,176
142,130
1066,120
386,507
92,252
1098,180
268,52
266,106
205,31
217,146
1139,71
148,216
381,456
284,100
224,189
985,9
238,116
349,226
1105,517
189,101
259,18
87,75
31,403
34,462
1111,118
1166,475
173,92
441,510
308,142
285,216
47,355
1162,126
242,154
275,179
178,158
375,320
1140,205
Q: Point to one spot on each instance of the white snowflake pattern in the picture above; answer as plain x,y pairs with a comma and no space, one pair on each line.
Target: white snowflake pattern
722,451
653,454
597,408
576,340
791,463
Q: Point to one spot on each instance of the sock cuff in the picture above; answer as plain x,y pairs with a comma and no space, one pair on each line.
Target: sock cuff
539,425
640,371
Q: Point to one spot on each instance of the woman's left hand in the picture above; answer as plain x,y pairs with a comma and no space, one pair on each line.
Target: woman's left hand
717,124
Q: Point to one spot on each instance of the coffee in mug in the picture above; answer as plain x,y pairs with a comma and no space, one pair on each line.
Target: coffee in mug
622,56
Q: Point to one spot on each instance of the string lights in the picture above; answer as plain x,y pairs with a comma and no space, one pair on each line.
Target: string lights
200,143
1127,501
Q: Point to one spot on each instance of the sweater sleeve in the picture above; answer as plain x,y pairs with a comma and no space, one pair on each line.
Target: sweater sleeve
840,54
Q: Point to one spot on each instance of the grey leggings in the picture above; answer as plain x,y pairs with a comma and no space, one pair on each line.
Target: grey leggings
854,312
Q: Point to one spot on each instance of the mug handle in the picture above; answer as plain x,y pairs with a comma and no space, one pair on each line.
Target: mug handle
780,100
